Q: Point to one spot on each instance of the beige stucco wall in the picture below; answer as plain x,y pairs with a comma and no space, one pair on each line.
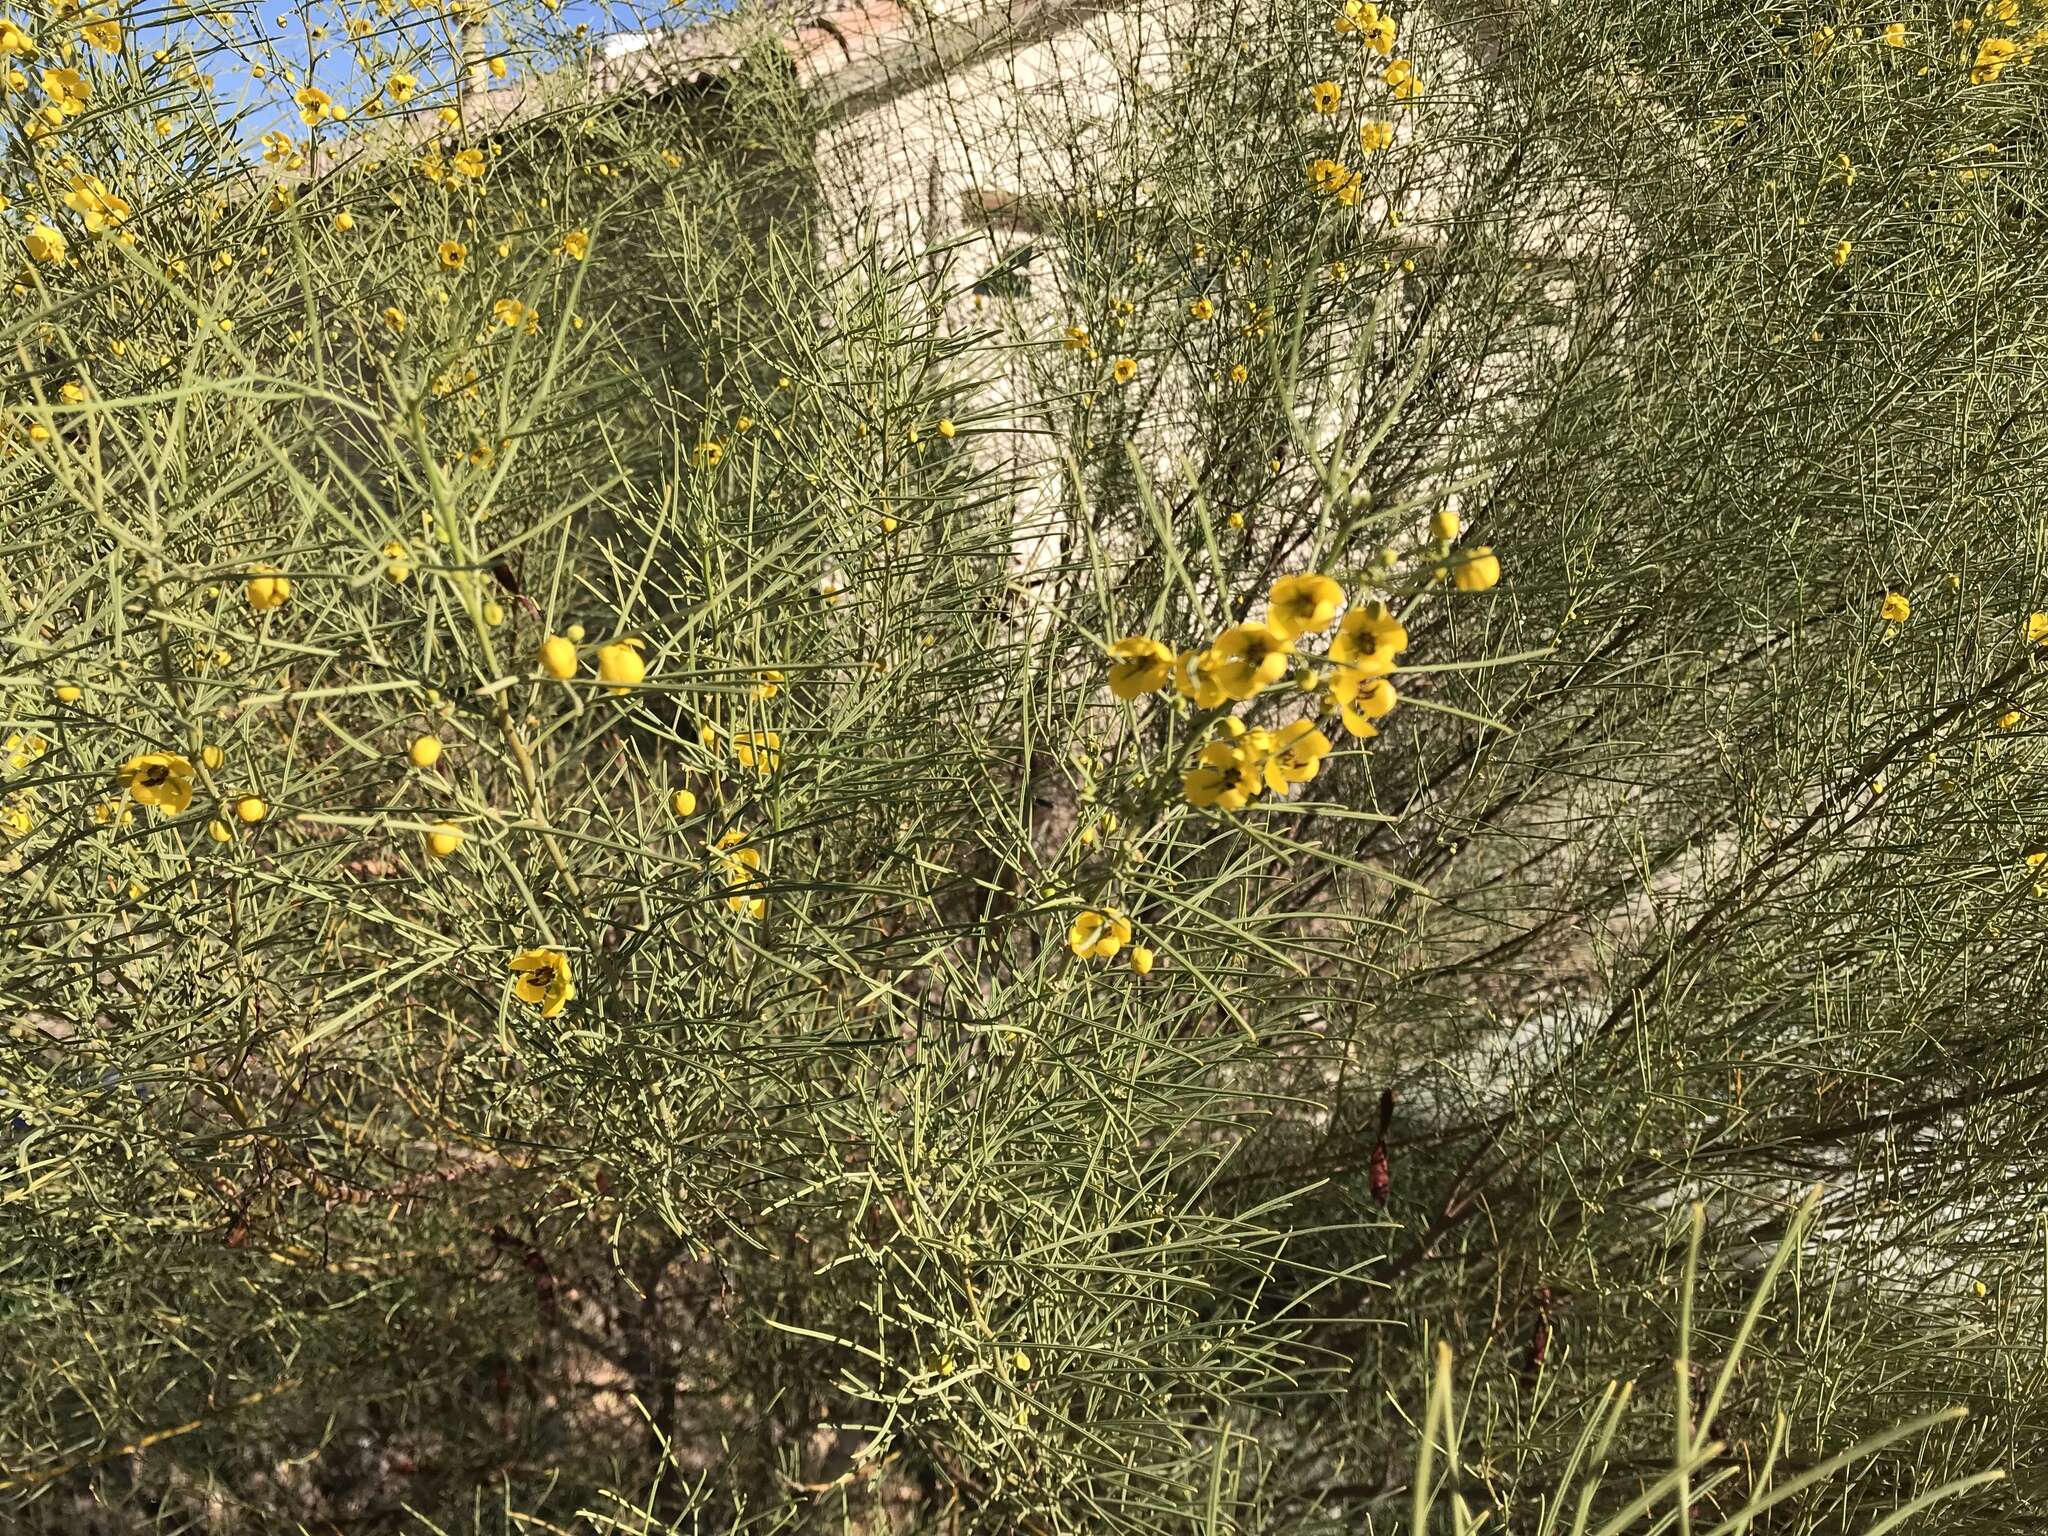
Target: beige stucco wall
901,167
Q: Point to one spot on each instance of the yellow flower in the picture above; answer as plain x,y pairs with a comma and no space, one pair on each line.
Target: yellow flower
1140,959
576,244
683,802
100,208
1375,136
1229,772
14,42
44,244
620,663
1297,753
1099,935
758,750
399,86
1842,250
424,752
541,979
1370,636
2009,719
443,839
1124,370
1194,678
1895,609
1375,30
768,684
1249,657
511,313
1993,54
1401,79
2037,629
467,162
67,693
1303,605
266,588
314,104
1895,34
1076,339
1325,96
220,831
1203,308
1138,666
708,455
68,91
396,566
250,809
1478,571
394,317
1361,696
454,255
161,779
740,866
558,657
104,33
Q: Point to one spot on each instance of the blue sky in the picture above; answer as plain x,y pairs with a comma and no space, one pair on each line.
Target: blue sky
255,38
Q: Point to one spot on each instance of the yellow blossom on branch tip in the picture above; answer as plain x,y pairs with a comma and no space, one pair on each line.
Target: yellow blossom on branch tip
250,809
267,588
760,751
1229,771
2037,629
1370,636
576,244
1303,605
558,657
1249,657
1478,571
1138,665
44,244
1194,678
683,802
1361,695
161,779
1895,609
1124,370
1297,753
1993,54
620,664
424,752
453,255
541,979
1099,935
1325,96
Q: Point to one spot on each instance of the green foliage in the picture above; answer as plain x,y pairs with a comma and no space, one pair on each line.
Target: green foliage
1450,1168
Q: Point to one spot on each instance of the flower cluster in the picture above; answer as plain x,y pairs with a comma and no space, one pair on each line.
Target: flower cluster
1352,682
